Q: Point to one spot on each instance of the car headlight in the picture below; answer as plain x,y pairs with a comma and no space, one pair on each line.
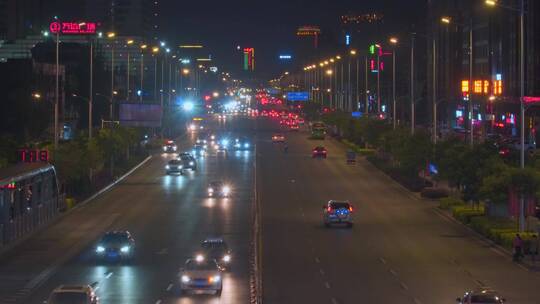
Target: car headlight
246,145
191,163
199,258
100,249
227,258
214,279
226,189
167,167
237,145
225,142
185,279
124,249
210,189
164,148
174,148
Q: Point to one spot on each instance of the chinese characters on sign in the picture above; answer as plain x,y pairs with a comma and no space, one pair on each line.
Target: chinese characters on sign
73,28
483,87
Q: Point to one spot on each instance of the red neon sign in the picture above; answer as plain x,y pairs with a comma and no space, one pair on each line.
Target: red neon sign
73,28
529,99
33,156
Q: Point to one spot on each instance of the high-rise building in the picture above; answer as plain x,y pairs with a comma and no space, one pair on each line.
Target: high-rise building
127,17
495,87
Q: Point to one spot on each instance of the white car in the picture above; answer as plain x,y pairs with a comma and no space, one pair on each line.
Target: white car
69,294
201,275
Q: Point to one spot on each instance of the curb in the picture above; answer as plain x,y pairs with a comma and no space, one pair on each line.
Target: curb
60,216
255,280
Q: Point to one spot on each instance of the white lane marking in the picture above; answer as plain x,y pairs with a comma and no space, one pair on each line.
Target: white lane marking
317,260
97,288
169,287
404,286
393,272
327,285
163,251
158,302
109,275
334,301
416,301
321,271
382,260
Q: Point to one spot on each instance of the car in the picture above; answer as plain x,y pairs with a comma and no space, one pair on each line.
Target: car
242,143
215,249
319,151
204,274
174,166
198,150
73,294
338,212
300,121
481,296
278,138
116,245
218,189
202,139
294,127
170,146
188,162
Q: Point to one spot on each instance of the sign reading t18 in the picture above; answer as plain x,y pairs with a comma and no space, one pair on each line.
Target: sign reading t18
73,28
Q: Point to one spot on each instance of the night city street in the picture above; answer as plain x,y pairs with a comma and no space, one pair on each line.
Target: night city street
269,152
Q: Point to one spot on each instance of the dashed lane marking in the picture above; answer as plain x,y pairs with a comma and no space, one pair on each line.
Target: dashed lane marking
393,272
321,271
382,260
169,287
327,285
317,260
334,301
158,302
416,301
403,286
109,274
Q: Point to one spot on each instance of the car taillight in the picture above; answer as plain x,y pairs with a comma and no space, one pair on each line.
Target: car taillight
330,210
324,152
350,209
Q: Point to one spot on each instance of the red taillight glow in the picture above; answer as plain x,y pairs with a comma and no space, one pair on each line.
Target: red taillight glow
350,208
330,210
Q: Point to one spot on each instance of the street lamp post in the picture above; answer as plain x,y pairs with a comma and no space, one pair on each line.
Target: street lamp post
129,42
412,84
144,46
111,35
366,87
394,41
57,90
434,91
521,11
91,89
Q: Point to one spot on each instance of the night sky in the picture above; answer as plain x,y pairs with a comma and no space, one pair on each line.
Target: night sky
269,26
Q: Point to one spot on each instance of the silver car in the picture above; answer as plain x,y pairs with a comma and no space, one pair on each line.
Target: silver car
481,296
69,294
338,212
201,275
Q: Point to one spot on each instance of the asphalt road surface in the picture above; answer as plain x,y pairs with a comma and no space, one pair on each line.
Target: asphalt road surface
168,216
399,250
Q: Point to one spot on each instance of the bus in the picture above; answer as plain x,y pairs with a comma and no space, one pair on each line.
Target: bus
318,130
196,124
29,198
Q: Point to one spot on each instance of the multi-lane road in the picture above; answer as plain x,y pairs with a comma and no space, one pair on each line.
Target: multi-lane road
401,250
168,215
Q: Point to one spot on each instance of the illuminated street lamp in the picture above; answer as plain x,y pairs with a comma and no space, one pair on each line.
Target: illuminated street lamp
36,96
129,42
111,35
329,72
394,42
140,91
521,11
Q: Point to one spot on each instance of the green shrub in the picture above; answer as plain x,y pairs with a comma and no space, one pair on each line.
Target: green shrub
492,227
465,213
449,202
507,238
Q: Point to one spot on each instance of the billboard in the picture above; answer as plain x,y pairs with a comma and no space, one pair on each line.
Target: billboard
140,115
298,96
73,28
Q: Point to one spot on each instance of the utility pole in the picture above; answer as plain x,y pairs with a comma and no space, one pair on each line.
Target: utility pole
412,84
57,91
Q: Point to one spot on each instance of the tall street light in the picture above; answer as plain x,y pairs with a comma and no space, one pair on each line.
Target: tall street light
412,83
129,42
57,90
394,42
111,36
155,51
329,73
143,47
521,11
448,20
349,87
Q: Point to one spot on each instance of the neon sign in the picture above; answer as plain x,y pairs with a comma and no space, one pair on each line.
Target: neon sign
73,28
483,87
33,156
